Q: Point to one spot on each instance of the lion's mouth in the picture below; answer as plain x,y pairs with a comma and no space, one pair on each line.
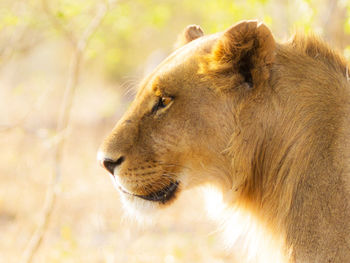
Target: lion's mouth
164,195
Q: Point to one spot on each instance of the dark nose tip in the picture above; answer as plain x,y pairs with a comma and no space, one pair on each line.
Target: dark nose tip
110,164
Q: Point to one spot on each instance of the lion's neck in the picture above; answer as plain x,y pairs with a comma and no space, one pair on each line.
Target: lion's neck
317,224
301,221
297,188
295,185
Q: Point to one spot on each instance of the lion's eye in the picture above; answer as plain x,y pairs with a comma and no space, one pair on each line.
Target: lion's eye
163,102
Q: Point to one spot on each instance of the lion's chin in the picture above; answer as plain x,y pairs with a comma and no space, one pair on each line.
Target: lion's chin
141,210
147,207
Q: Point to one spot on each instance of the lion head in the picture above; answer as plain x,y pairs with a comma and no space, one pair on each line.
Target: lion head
263,122
176,129
180,124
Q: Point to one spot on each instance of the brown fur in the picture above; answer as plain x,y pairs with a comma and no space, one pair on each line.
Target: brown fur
267,123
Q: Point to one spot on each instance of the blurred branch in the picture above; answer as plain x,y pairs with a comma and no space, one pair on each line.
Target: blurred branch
63,121
20,41
74,68
8,49
58,24
17,38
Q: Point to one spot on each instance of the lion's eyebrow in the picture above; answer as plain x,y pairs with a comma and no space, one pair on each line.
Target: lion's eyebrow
156,87
158,93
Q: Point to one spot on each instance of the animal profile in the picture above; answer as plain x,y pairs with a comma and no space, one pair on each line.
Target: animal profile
265,124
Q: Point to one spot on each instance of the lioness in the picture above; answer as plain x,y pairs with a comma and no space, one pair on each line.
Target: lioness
265,123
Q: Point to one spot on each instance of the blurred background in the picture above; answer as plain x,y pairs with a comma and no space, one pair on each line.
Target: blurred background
68,71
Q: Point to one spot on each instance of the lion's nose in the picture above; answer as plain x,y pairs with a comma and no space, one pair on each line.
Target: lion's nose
110,164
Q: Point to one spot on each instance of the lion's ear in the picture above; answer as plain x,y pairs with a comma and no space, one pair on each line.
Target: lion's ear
190,33
247,48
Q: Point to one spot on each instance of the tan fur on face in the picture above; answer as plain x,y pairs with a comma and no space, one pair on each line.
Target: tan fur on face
266,124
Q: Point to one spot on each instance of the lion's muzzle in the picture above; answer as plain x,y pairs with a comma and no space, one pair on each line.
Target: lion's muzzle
162,195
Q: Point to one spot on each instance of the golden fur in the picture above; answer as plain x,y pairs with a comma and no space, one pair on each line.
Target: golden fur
266,124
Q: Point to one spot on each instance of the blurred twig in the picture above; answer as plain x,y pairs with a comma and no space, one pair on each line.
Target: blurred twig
79,47
58,25
18,39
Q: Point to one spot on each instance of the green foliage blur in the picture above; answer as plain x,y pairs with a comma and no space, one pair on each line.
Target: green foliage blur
133,29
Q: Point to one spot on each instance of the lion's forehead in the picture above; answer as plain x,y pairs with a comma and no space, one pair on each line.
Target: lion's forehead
177,63
190,51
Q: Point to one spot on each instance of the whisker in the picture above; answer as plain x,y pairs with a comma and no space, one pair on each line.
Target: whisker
129,85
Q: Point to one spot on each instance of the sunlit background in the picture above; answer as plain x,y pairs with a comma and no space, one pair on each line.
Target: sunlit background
68,71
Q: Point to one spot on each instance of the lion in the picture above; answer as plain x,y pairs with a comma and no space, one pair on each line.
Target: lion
265,124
